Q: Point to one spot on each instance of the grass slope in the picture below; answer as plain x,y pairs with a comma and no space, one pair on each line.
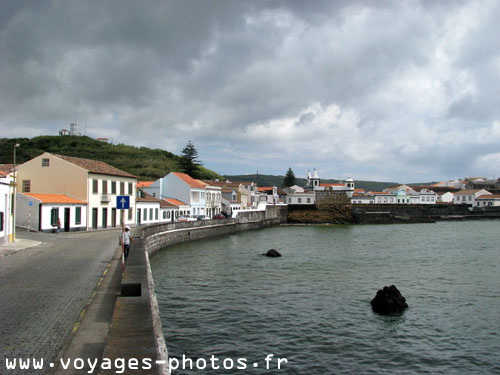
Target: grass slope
270,180
143,162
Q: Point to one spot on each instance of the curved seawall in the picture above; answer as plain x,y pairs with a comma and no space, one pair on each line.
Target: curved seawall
136,331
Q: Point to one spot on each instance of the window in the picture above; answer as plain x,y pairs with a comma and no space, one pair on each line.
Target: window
130,213
78,215
385,200
308,200
299,200
122,188
156,214
94,186
289,200
26,186
45,162
129,188
145,213
432,199
113,187
164,215
104,187
168,214
1,221
54,216
470,197
150,214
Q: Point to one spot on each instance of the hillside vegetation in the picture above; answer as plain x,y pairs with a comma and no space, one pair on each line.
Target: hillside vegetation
143,162
270,180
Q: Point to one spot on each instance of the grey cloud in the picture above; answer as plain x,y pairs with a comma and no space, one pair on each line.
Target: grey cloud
213,71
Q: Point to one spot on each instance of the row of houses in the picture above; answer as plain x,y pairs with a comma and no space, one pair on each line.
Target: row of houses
77,194
81,194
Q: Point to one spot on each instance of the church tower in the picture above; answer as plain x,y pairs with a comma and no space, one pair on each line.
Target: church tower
315,180
349,187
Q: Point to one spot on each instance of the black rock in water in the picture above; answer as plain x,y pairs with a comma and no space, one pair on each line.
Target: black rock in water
272,253
388,300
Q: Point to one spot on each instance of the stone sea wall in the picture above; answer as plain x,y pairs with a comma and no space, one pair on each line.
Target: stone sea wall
160,236
387,214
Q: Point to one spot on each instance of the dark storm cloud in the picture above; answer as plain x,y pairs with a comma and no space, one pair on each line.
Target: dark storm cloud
383,86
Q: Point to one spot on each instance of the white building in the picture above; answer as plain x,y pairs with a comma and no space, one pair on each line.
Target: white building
43,212
488,200
427,197
298,198
447,197
213,200
148,209
5,209
176,208
469,196
182,187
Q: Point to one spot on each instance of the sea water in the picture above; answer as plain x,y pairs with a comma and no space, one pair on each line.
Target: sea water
221,299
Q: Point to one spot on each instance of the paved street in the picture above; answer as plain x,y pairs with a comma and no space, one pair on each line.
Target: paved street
44,288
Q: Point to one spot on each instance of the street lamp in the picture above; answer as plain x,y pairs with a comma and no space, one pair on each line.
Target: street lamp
13,234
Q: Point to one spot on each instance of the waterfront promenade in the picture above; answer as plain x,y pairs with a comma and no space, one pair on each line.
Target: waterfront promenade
44,294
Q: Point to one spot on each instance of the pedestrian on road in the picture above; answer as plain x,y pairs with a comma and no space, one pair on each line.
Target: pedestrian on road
127,240
58,225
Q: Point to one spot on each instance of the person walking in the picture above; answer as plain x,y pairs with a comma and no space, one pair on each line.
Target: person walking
127,240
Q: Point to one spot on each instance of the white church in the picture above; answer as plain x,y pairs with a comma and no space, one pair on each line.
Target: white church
308,194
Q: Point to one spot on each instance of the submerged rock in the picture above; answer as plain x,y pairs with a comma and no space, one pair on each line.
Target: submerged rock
388,300
272,253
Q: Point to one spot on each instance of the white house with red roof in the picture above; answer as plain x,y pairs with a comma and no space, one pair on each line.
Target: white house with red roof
183,188
42,212
488,200
468,196
174,208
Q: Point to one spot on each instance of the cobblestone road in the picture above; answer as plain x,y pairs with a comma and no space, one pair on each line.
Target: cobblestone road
43,289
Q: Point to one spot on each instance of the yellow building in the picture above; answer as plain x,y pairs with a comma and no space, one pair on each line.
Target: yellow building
91,181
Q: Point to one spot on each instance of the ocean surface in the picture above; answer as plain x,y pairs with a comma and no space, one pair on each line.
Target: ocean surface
223,304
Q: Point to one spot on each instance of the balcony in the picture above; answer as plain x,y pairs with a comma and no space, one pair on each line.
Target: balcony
105,198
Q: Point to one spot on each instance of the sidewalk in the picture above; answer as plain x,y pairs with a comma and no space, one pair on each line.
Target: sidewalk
20,244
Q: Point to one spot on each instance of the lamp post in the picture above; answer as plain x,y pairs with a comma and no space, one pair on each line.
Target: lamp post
14,182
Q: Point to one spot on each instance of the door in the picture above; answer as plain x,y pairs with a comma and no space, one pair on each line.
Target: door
138,216
104,217
113,217
67,220
94,218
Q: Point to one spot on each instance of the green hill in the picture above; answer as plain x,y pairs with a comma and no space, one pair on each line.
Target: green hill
270,180
143,162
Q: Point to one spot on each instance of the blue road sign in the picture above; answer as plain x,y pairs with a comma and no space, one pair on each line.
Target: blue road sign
123,202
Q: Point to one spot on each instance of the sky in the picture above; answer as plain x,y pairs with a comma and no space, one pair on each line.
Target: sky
405,91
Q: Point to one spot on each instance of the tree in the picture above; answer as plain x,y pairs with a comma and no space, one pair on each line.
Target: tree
289,178
189,160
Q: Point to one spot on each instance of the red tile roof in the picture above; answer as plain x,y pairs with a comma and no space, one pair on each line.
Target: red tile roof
175,202
489,196
326,185
55,198
95,166
197,184
468,192
6,167
141,184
